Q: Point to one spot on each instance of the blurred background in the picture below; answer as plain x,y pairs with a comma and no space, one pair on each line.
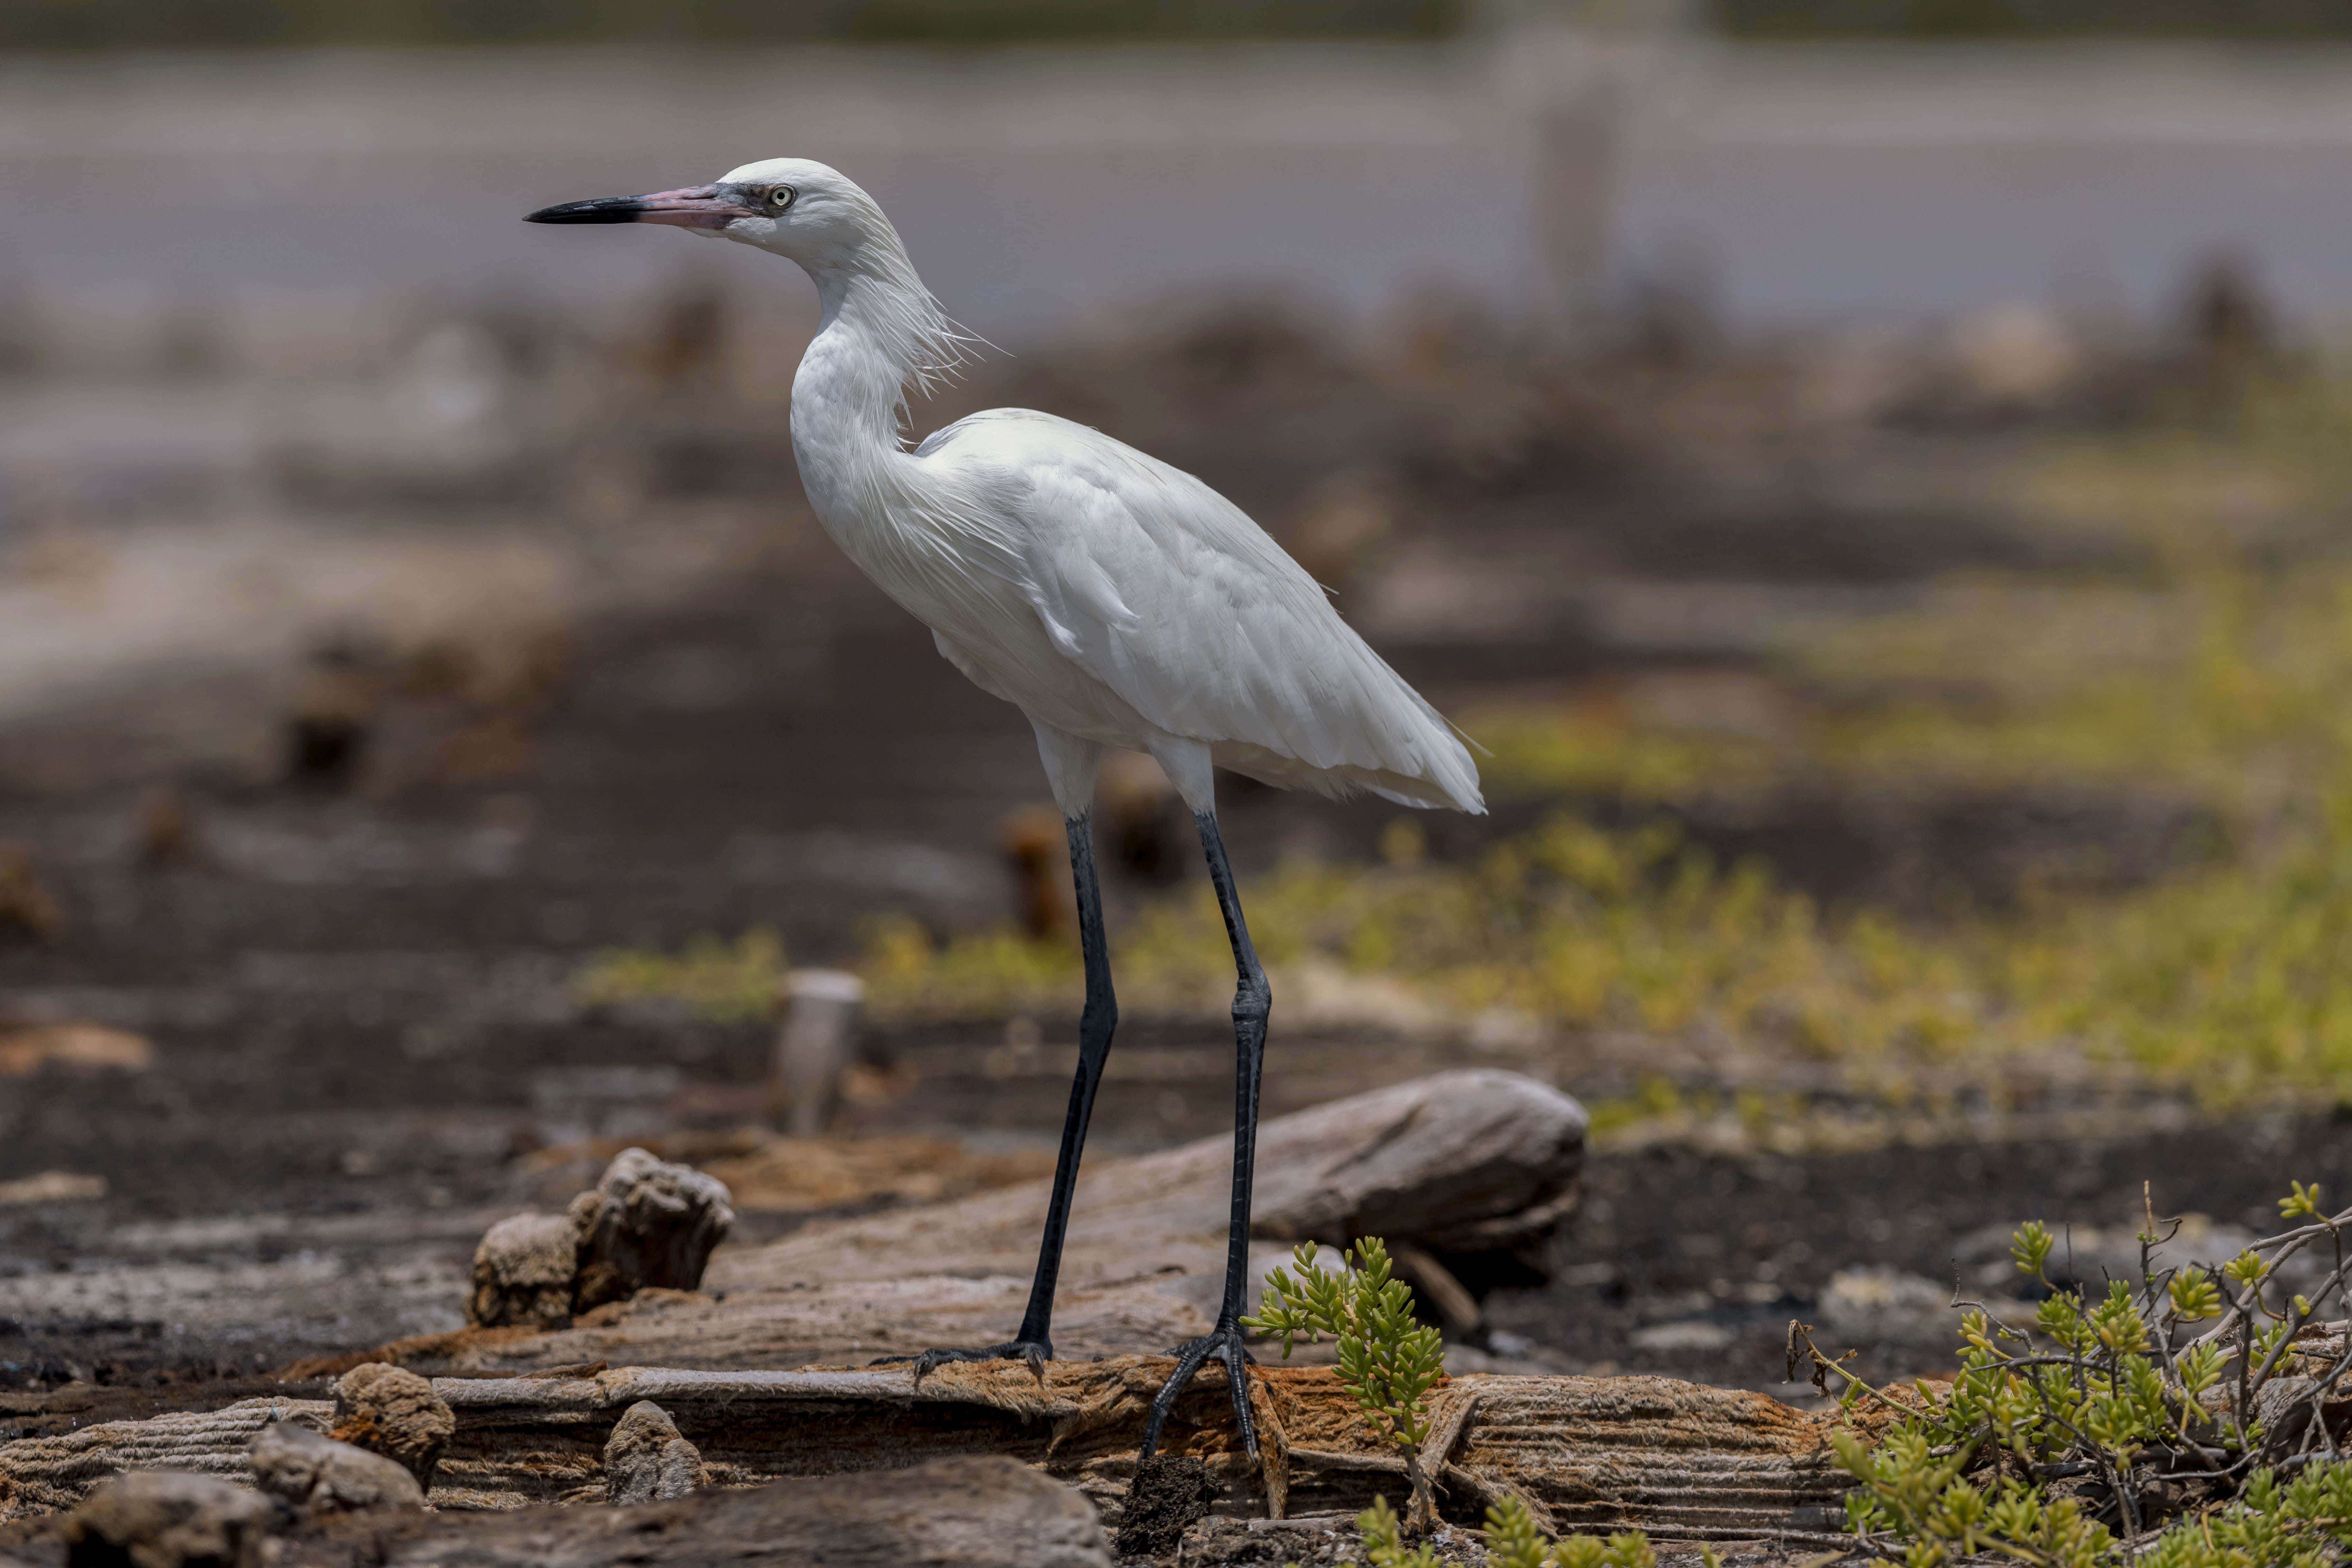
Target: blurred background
1873,474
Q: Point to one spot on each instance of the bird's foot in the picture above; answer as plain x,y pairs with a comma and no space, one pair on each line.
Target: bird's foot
1225,1343
1036,1353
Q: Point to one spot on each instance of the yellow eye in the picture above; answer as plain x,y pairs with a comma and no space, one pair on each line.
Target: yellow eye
780,198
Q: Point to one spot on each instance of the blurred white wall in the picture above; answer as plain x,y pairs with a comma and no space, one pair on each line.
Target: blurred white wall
1043,189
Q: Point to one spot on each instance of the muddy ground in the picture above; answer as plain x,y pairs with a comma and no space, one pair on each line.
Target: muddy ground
352,941
367,1038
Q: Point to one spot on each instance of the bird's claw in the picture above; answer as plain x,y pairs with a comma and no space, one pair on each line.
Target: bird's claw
1225,1343
1035,1352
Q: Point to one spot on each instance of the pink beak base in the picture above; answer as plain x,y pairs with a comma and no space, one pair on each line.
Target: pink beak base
695,206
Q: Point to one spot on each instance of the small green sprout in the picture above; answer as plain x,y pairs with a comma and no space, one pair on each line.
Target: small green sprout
2246,1267
2200,1367
1388,1361
2302,1202
2194,1295
1513,1540
2032,1247
1629,1549
1384,1544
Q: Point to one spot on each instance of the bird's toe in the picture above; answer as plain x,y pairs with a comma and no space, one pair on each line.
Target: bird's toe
1036,1353
1225,1343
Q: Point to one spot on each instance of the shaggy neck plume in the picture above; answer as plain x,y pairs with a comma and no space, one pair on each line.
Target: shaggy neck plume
882,338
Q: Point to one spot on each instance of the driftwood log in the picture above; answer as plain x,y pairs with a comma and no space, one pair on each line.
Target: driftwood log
1459,1163
1462,1162
1675,1458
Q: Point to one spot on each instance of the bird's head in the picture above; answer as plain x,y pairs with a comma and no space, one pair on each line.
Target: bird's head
817,215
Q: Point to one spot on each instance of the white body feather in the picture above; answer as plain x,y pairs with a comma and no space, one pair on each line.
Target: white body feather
1114,600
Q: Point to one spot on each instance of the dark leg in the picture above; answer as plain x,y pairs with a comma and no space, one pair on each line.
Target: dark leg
1253,1000
1035,1343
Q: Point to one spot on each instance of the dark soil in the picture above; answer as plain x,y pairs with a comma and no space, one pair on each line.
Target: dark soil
1170,1493
1744,1244
360,990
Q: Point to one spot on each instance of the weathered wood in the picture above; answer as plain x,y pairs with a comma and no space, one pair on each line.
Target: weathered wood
977,1513
1462,1161
647,1222
960,1513
1675,1458
39,1475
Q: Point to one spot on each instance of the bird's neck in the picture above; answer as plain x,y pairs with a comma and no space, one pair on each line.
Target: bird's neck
881,331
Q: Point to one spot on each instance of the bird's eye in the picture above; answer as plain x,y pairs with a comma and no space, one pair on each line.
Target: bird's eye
780,198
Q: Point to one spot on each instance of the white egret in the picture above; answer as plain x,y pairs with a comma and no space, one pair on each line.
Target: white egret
1116,601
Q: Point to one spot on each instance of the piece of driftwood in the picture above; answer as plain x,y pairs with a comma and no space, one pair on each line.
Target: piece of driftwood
39,1475
647,1223
391,1411
974,1512
1459,1162
311,1474
169,1518
645,1459
1675,1458
977,1513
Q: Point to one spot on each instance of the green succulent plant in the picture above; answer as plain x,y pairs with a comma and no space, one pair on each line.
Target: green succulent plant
2118,1429
1388,1361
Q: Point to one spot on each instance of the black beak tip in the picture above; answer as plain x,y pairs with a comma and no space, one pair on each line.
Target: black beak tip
603,209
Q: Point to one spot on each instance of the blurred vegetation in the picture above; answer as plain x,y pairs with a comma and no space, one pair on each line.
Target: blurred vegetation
729,982
2217,665
2231,19
2229,685
211,23
2232,983
2177,645
216,23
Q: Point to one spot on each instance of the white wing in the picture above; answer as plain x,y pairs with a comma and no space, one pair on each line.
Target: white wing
1169,595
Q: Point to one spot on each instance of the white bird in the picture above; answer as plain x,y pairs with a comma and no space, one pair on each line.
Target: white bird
1113,599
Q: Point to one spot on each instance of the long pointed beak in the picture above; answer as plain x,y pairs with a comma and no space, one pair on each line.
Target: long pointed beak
696,207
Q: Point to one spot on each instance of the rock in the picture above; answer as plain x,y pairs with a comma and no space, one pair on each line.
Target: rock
2017,355
1169,1493
646,1461
523,1272
168,1519
26,908
647,1223
1867,1301
1689,1334
75,1048
163,833
313,1474
52,1187
2283,1406
392,1411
